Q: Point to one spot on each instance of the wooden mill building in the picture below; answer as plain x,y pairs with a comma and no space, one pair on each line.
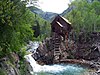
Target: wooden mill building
60,28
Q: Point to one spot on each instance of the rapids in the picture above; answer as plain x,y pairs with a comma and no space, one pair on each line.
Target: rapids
56,69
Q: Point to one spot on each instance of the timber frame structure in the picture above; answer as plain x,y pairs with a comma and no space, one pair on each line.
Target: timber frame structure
60,28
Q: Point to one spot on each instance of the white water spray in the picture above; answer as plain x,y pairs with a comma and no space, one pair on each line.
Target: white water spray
45,68
52,69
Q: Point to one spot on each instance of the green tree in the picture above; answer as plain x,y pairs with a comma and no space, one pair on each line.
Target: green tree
41,27
85,16
15,28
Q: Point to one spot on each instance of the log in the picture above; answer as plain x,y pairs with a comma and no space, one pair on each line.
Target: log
90,64
76,61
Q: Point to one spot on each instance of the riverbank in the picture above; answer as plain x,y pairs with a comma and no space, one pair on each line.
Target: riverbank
85,53
58,69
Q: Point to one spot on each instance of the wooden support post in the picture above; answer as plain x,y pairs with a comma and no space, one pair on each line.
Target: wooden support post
66,37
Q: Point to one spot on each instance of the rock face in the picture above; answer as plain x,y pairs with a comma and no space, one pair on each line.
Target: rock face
10,65
88,47
43,53
51,50
8,68
89,51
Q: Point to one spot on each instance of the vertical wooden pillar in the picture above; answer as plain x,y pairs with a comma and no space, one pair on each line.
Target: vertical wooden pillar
66,37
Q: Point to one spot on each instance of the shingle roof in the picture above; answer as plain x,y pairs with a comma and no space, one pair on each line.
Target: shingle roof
65,20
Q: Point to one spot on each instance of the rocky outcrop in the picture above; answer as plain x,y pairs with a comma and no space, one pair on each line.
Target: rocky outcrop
87,51
9,65
88,46
43,53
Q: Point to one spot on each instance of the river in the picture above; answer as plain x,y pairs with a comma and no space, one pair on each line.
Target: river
55,69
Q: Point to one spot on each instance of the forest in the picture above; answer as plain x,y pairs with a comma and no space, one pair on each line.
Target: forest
19,25
85,16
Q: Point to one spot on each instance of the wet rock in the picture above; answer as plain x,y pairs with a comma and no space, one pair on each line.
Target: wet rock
98,71
94,54
9,65
8,68
87,50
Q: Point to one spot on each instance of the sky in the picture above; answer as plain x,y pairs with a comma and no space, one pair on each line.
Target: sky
56,6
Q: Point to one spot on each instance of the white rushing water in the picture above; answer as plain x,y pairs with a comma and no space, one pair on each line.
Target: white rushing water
45,68
56,69
32,46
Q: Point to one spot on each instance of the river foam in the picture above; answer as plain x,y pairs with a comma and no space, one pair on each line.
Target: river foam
56,69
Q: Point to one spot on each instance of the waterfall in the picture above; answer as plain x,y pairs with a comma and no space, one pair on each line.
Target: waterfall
54,69
45,68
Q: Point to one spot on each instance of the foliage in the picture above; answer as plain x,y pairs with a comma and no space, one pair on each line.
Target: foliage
23,68
16,23
2,72
15,28
85,16
41,27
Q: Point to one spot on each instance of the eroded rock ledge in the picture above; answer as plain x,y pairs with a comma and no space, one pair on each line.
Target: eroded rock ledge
10,65
77,52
